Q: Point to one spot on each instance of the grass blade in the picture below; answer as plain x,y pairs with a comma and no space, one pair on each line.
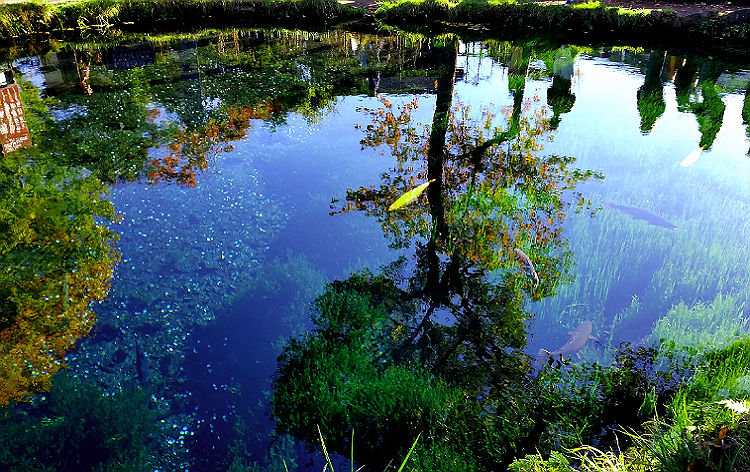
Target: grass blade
409,454
325,451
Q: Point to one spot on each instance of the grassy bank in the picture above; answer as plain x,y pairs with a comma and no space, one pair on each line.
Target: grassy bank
22,19
579,23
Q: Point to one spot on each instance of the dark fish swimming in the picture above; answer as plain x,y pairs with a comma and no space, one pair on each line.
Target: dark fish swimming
528,267
141,366
578,339
642,214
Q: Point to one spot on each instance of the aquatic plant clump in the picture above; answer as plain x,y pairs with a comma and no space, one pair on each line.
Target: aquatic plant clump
77,427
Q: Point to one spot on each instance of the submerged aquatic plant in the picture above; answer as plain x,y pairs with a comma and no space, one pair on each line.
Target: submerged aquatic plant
704,325
77,427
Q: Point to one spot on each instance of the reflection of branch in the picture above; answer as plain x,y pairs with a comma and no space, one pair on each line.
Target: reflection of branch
477,153
433,304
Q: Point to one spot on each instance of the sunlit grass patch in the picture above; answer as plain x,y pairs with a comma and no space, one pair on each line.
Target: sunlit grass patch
19,19
587,5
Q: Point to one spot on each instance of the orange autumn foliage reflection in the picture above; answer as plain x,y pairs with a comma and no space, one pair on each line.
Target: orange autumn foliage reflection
191,151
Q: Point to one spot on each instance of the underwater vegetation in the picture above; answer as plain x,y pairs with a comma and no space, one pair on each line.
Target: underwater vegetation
77,427
703,326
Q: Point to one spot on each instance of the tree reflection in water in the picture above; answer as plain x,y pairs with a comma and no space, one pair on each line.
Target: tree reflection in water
57,259
434,345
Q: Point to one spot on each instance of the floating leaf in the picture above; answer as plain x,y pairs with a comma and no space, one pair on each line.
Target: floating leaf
409,196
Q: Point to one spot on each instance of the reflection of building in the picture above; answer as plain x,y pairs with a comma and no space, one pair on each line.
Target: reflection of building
191,108
6,78
402,84
60,71
14,134
130,57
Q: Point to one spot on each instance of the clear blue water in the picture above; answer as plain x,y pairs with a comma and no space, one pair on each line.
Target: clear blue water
218,273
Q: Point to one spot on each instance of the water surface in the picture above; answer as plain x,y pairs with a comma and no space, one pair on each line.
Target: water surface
249,169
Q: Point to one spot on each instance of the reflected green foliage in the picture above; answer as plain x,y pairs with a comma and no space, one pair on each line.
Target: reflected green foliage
343,375
560,99
360,369
651,104
57,258
76,427
381,360
111,138
684,82
559,96
709,109
709,113
113,127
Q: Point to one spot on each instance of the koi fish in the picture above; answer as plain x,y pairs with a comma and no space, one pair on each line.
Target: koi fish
141,366
410,196
578,338
527,266
642,214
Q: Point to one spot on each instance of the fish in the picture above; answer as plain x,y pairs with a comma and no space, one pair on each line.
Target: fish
527,266
578,338
409,196
692,157
141,366
642,214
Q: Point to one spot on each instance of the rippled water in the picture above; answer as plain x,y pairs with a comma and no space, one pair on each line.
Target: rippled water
249,169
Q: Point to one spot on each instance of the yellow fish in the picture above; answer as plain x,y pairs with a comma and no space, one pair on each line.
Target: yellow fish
409,196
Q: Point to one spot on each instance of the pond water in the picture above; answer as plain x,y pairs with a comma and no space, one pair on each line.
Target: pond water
247,170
